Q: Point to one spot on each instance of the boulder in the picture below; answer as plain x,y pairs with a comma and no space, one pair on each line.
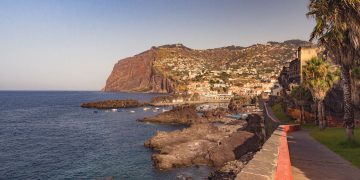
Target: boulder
237,103
185,114
231,168
204,144
194,132
254,126
183,154
217,113
233,147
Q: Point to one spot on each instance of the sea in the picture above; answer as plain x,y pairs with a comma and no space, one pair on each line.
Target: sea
47,135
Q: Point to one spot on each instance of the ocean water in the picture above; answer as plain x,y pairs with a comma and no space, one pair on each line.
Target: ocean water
47,135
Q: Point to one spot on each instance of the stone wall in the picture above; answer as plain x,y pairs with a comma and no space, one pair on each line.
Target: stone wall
264,163
270,123
273,160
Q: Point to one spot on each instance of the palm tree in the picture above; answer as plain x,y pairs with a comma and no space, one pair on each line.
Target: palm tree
338,30
319,77
302,97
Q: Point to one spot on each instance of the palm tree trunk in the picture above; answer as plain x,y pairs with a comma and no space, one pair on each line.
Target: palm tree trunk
324,116
316,113
320,114
355,94
302,116
349,122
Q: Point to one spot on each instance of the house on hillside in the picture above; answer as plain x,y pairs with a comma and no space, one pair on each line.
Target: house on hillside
292,73
276,90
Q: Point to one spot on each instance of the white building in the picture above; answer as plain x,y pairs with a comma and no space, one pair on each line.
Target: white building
276,90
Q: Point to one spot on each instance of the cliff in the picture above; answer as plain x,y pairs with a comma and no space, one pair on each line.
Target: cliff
170,68
137,74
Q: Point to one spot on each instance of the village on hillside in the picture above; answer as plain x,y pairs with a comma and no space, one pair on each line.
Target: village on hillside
222,85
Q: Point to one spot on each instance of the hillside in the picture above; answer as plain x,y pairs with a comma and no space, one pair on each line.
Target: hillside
170,68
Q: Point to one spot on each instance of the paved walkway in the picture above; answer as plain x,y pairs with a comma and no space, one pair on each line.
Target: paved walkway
312,160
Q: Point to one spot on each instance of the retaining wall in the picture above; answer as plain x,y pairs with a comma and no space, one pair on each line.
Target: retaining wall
273,160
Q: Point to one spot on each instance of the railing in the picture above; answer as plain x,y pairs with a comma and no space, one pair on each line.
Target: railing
270,121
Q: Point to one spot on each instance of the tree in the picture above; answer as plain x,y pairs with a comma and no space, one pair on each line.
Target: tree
302,97
319,77
338,30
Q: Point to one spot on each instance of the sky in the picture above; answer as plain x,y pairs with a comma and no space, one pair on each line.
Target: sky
74,44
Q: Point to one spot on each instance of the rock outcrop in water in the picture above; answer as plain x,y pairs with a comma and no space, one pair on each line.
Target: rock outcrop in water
112,104
204,144
185,114
232,168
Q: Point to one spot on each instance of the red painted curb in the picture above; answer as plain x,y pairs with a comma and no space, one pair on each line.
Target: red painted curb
284,170
291,128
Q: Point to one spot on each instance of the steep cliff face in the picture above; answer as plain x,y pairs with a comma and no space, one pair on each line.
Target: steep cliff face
170,68
137,74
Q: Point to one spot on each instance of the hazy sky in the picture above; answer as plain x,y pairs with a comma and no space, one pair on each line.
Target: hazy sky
73,44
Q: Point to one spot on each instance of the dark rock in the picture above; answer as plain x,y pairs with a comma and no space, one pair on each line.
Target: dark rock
220,175
112,104
254,126
203,131
243,152
204,144
231,168
233,147
215,114
185,114
184,148
237,103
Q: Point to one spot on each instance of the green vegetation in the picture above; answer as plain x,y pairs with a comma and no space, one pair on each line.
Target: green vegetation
279,112
337,29
356,72
319,77
335,139
302,97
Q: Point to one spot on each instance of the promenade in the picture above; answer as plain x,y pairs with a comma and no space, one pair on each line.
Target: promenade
189,102
312,160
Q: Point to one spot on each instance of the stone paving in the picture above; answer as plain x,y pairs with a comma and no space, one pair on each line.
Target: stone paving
312,160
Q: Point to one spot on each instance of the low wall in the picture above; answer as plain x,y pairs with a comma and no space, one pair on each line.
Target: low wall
273,160
291,128
264,163
283,169
189,102
270,121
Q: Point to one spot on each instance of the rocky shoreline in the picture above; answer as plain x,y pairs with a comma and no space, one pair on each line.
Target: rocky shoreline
211,138
226,145
185,115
